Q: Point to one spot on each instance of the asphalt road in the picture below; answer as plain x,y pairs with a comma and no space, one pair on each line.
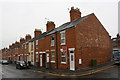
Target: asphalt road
0,71
9,71
112,72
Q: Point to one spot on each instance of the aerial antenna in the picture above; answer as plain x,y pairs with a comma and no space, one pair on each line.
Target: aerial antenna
46,19
68,9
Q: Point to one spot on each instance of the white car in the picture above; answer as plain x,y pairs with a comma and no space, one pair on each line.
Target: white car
4,62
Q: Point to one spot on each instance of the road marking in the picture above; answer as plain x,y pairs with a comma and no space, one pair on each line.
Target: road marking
77,74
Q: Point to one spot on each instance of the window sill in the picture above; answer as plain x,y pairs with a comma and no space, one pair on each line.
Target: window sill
63,62
52,61
51,45
63,44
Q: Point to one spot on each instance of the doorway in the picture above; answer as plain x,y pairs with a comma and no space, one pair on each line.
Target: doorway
72,59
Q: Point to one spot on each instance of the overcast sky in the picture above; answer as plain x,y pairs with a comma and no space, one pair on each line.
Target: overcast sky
21,17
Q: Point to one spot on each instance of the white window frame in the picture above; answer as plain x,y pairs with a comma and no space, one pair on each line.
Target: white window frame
62,37
52,41
36,44
25,46
64,56
52,56
36,57
31,46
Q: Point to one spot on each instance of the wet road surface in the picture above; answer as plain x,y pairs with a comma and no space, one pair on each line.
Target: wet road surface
0,71
10,71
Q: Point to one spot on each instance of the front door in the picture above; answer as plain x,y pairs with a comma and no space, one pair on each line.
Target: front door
47,60
41,60
44,60
72,60
47,57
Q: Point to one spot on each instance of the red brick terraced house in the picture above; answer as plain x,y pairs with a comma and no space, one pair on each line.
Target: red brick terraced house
4,55
70,46
16,52
73,44
26,47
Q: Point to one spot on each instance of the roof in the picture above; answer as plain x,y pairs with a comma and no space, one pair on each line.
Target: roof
58,29
116,41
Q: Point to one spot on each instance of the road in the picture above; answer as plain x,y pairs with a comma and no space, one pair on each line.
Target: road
9,71
0,71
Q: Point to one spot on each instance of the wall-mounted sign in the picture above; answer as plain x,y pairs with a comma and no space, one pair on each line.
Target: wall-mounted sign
63,49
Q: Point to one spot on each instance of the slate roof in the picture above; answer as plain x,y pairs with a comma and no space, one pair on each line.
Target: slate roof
58,29
116,41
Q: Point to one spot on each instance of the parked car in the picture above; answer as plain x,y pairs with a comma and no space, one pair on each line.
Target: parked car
4,62
22,65
116,58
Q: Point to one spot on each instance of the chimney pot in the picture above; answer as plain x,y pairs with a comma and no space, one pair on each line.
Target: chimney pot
118,36
22,40
74,14
37,32
50,25
28,37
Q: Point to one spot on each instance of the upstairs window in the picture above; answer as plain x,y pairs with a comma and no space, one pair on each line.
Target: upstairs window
63,41
22,47
16,50
31,46
52,41
36,44
25,46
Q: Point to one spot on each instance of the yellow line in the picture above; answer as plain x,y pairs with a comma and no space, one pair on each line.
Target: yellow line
78,74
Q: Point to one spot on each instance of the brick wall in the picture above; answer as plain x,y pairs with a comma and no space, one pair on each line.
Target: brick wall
93,42
0,56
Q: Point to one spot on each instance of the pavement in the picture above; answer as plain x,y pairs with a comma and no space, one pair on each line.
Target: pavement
107,70
80,72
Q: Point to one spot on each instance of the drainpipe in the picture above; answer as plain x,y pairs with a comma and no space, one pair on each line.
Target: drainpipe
56,51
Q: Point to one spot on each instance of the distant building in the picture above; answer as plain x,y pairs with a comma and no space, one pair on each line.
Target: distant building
116,43
73,44
116,48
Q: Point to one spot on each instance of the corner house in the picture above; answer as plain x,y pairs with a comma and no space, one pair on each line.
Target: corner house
73,44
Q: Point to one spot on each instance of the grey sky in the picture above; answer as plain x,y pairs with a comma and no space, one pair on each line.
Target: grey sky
119,17
18,18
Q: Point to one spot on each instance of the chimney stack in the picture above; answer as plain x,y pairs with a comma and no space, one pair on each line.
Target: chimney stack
74,14
16,43
28,37
10,46
50,25
22,40
37,32
118,36
13,44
